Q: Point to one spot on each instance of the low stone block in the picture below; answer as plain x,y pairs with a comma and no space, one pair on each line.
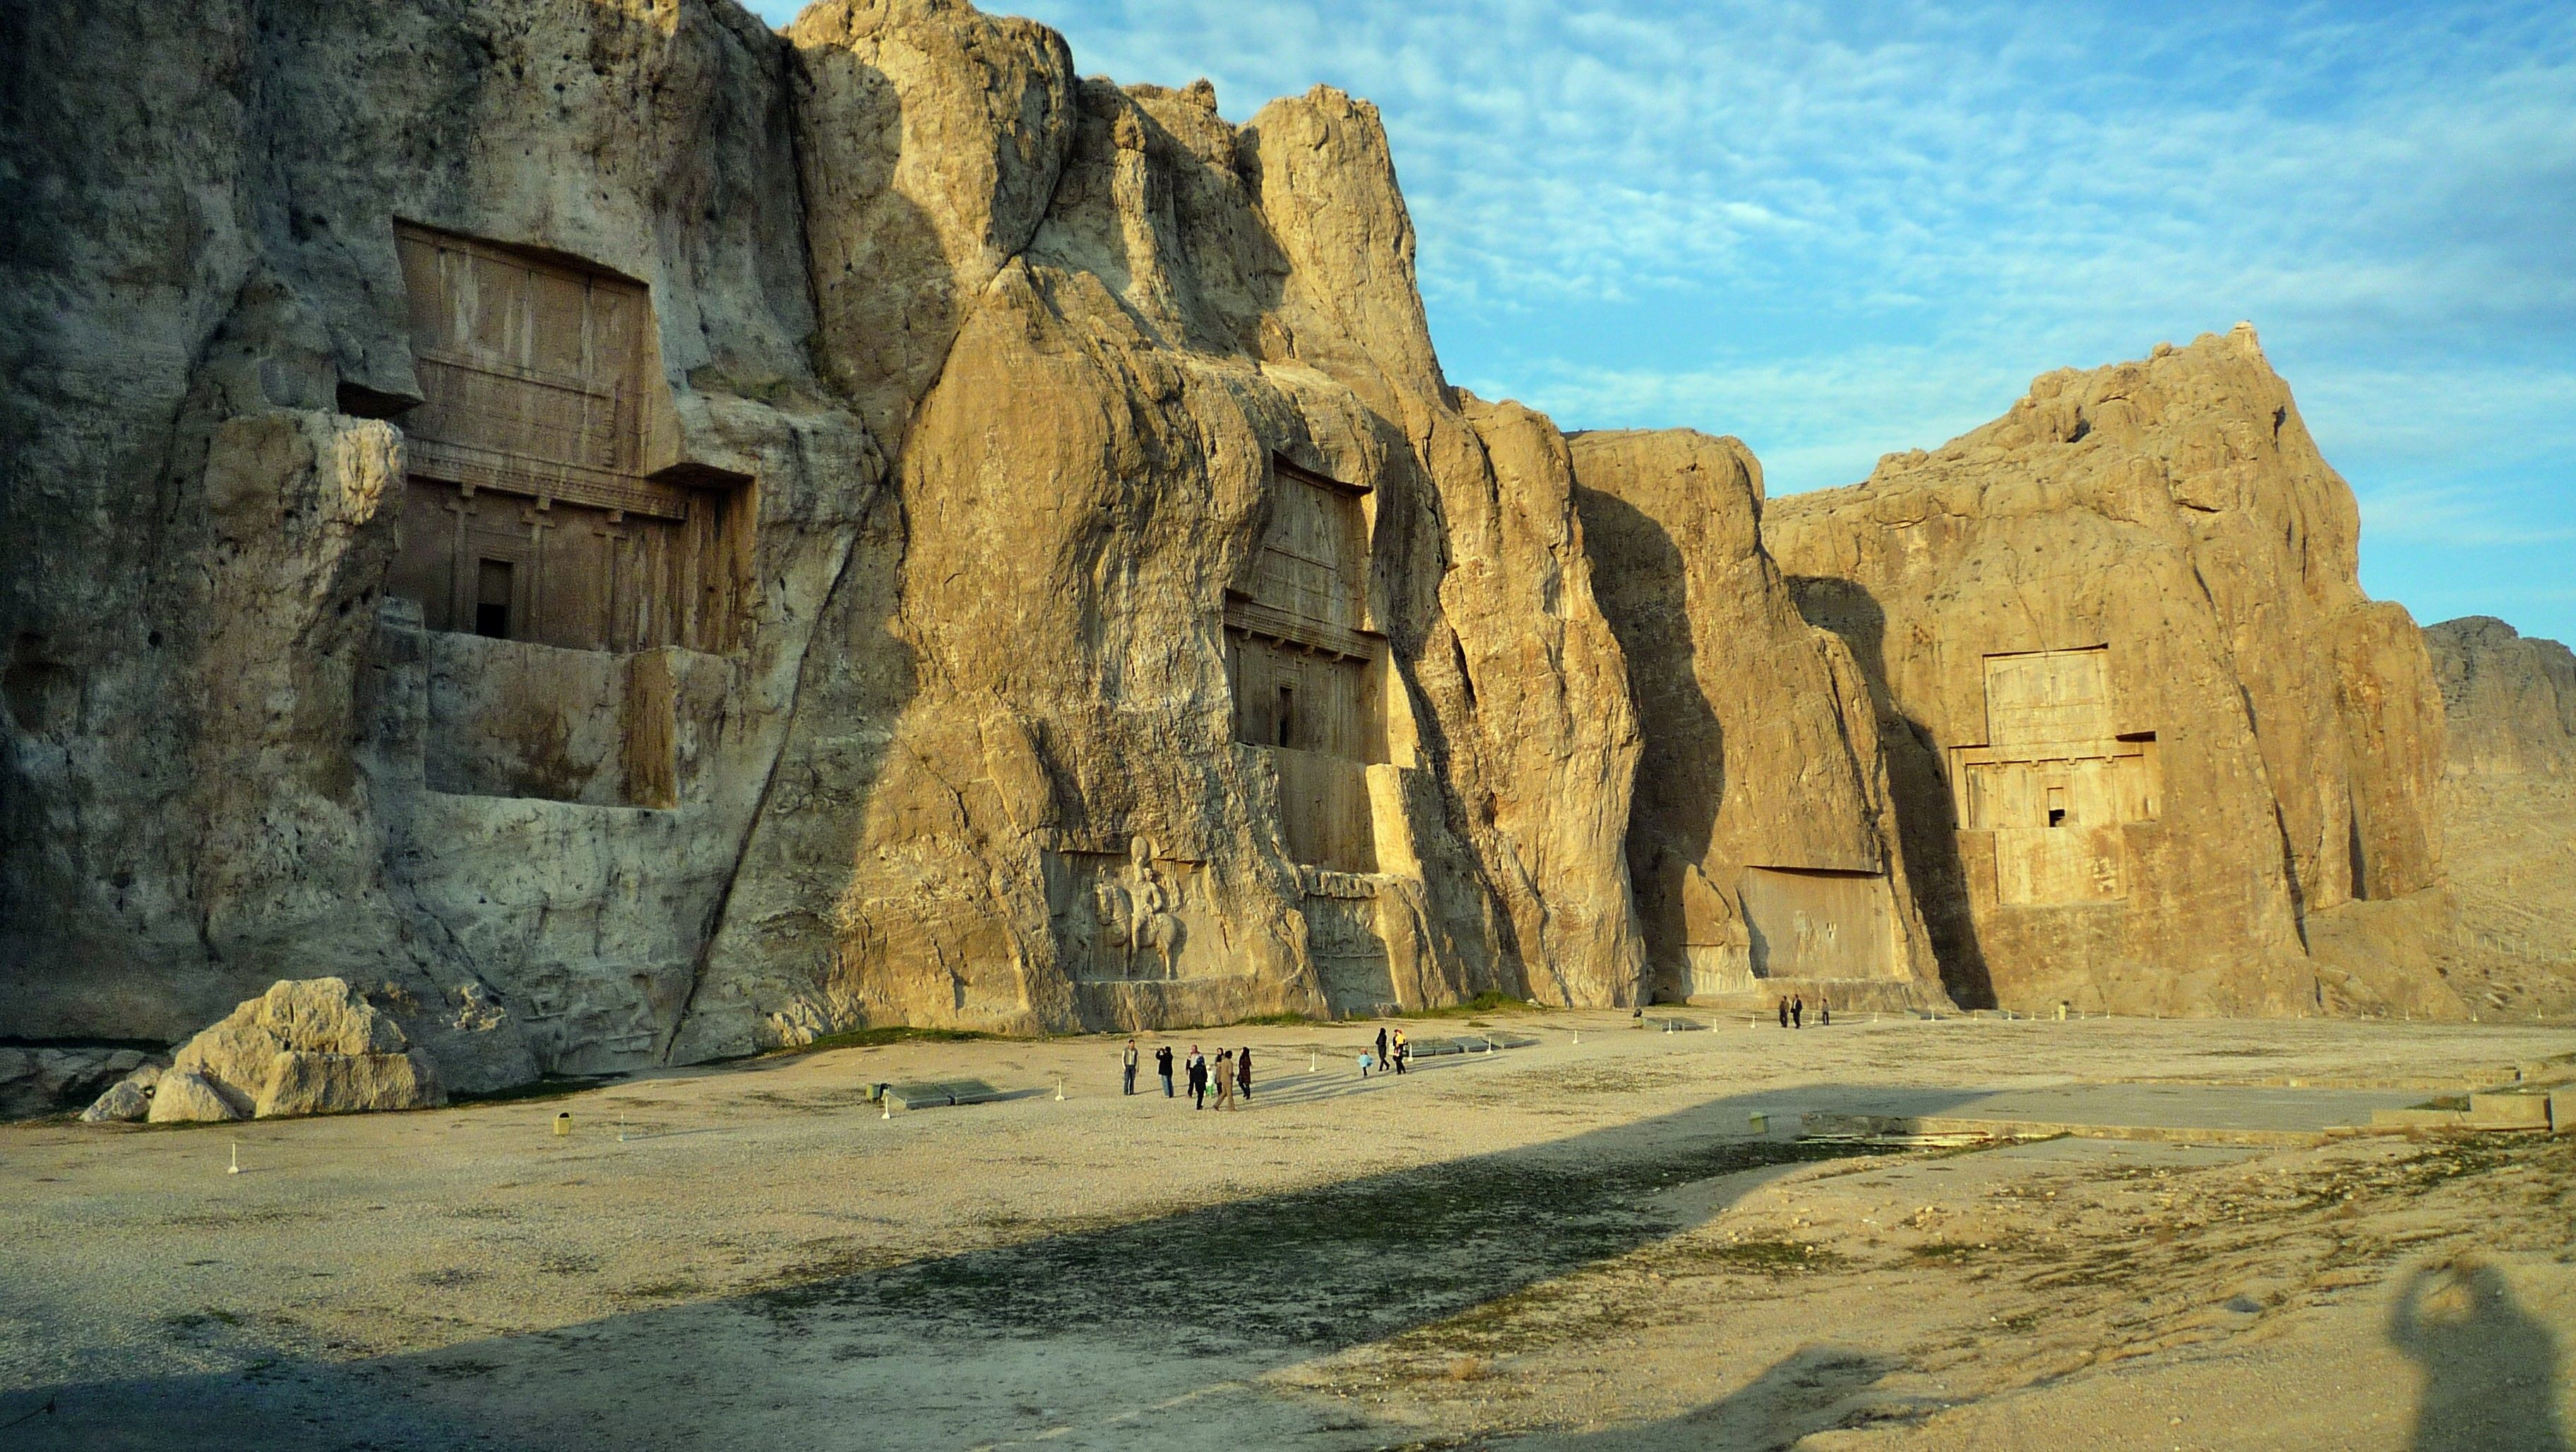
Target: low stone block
2419,1119
306,1083
186,1097
2562,1110
2508,1111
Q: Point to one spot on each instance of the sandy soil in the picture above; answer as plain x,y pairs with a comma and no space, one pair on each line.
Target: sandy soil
1568,1245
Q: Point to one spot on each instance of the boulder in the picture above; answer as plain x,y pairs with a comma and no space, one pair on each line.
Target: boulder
308,1046
348,1084
187,1097
123,1103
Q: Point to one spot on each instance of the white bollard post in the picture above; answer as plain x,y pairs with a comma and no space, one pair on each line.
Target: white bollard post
236,1166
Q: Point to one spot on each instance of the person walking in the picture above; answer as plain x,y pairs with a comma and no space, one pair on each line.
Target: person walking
1403,1051
1243,1072
1225,1079
1196,1065
1798,1011
1367,1062
1163,1066
1784,1012
1382,1060
1128,1062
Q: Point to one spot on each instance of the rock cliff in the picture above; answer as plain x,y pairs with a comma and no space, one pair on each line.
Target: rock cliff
1763,842
2143,726
628,537
2508,799
631,536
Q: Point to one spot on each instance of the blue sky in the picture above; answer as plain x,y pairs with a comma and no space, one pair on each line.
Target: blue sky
1838,230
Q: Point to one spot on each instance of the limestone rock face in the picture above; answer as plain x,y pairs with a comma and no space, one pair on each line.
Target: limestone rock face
873,651
631,537
311,1046
36,1081
2508,703
2141,720
234,752
308,1083
1764,838
2508,796
1048,783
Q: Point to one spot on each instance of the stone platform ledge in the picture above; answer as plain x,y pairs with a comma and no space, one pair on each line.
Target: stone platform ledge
1957,1128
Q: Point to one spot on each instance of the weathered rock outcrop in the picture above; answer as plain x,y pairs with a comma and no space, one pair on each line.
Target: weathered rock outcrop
2508,800
1764,837
37,1081
664,730
2508,702
2143,725
635,538
314,1046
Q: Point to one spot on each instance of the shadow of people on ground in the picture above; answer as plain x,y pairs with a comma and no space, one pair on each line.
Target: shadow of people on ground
1813,1389
2490,1368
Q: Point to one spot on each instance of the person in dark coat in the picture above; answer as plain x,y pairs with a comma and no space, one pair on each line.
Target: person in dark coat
1197,1067
1163,1066
1784,1013
1798,1011
1127,1061
1381,1046
1243,1072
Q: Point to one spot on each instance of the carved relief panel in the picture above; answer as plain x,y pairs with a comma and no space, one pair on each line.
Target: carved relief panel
1817,924
1133,917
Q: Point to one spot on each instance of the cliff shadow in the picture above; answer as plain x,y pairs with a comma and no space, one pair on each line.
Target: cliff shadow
1681,774
2490,1368
1927,818
1147,1333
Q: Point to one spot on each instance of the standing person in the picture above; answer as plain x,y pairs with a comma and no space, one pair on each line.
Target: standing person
1163,1066
1403,1051
1225,1079
1382,1060
1784,1012
1798,1010
1197,1067
1128,1062
1824,1011
1243,1072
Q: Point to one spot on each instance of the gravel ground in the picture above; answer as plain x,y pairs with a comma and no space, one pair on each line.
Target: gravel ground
1573,1244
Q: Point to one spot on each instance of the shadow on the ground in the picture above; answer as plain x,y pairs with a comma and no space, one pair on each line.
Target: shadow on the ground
1093,1335
1814,1389
2490,1368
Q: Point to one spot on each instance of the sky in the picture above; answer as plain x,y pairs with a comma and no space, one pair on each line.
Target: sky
1838,230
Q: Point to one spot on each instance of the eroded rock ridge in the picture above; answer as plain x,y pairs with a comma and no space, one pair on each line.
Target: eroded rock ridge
629,537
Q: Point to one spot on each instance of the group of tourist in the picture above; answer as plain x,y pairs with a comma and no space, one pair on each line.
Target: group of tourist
1793,1012
1230,1076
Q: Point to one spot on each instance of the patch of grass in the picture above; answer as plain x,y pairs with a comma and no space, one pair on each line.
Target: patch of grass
1761,1257
1946,1252
870,1038
551,1088
1274,1020
1489,1001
